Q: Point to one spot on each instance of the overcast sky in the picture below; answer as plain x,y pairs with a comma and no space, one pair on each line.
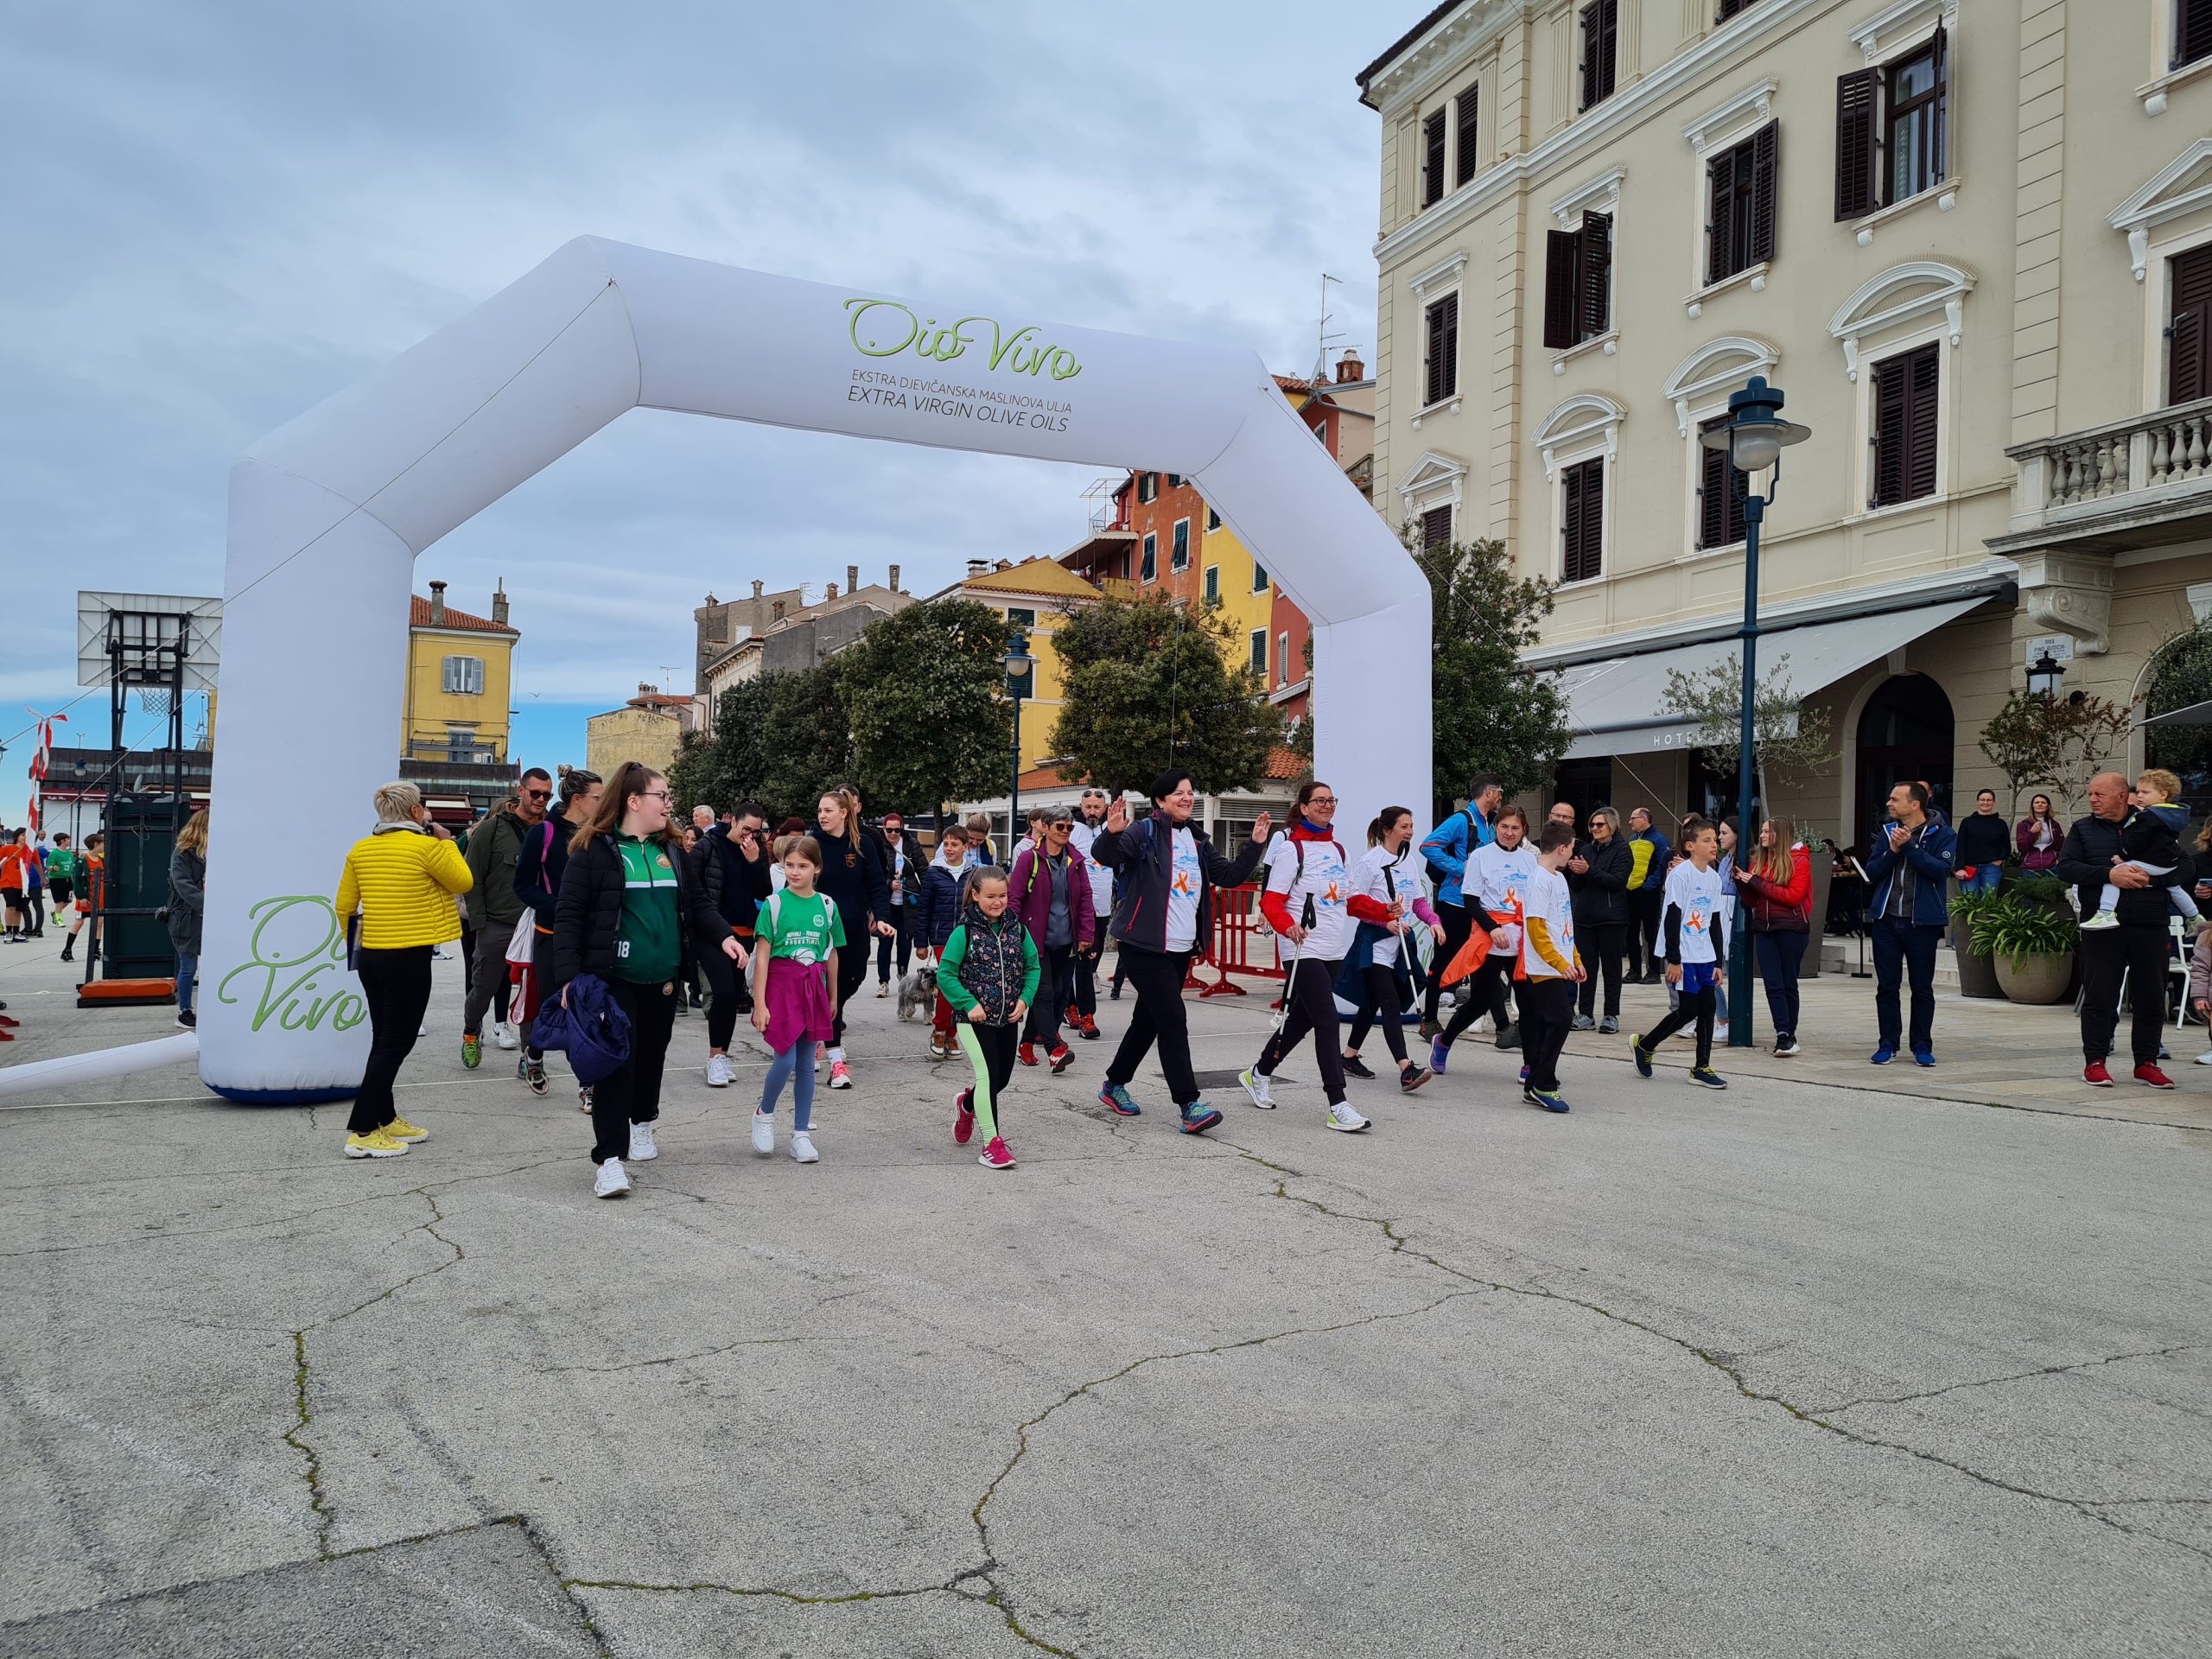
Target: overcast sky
218,214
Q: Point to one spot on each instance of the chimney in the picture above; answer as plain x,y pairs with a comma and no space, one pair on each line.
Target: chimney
756,588
829,592
1350,368
894,578
500,603
779,610
645,688
852,578
438,604
978,568
1003,564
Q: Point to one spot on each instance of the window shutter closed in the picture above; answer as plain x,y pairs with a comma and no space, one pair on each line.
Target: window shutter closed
2189,340
1720,233
1585,520
1765,167
1436,527
1858,108
1443,349
1468,107
1431,166
1889,432
2192,31
1940,151
1597,284
1905,426
1920,420
1558,289
1600,50
1729,8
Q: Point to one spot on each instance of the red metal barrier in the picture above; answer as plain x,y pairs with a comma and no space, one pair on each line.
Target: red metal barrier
1240,933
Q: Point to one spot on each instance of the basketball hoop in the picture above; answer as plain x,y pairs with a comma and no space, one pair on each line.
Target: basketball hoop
154,699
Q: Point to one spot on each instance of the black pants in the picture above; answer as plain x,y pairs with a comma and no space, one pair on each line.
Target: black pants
1050,1008
1459,922
1687,1008
1485,992
467,959
1161,1017
631,1093
898,941
1311,998
1905,950
1780,955
1084,973
722,1002
1608,943
396,984
2141,952
1547,1014
852,974
996,1043
1380,1002
1647,958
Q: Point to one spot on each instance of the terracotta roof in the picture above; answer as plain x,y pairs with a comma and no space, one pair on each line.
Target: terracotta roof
418,616
1284,763
659,700
1391,53
1042,780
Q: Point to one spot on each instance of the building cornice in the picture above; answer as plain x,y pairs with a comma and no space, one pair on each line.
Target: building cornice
1669,80
2158,201
1442,53
1753,103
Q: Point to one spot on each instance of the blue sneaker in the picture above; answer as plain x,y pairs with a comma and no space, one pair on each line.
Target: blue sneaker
1550,1099
1923,1057
1524,1074
1116,1099
1439,1052
1641,1055
1884,1055
1199,1117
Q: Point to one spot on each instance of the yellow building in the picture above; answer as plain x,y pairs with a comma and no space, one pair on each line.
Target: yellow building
649,728
1034,596
460,677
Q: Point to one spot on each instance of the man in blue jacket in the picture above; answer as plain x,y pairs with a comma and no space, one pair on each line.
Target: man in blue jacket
1446,849
1907,909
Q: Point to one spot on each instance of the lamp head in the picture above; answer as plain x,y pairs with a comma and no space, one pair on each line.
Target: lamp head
1755,434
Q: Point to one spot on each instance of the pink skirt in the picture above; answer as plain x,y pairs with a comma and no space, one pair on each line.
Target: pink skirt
798,1003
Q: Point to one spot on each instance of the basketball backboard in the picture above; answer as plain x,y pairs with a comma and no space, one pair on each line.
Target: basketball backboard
144,620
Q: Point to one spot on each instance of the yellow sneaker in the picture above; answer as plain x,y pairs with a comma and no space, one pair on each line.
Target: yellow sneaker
400,1129
375,1144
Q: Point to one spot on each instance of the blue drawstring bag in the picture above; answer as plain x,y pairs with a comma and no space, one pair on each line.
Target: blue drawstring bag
592,1029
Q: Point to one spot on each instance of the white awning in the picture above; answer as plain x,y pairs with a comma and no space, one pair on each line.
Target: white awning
2196,713
1619,706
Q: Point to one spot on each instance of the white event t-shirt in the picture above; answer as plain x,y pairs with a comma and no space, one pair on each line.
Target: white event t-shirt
1696,895
1545,899
1083,837
1315,870
1404,885
1500,880
1186,880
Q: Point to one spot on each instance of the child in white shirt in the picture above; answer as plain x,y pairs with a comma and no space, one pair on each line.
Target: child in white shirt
1551,968
1690,925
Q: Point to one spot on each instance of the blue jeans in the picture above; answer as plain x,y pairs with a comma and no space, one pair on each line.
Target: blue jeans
187,971
1901,948
796,1065
1984,878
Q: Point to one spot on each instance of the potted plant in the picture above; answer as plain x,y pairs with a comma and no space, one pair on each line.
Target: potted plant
1977,968
2033,946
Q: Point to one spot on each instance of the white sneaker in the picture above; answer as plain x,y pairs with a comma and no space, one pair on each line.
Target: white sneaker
803,1150
1341,1116
2103,920
841,1075
717,1071
2205,1059
504,1036
1257,1087
642,1149
764,1134
612,1183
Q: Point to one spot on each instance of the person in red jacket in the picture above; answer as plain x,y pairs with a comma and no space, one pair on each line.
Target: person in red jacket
1777,888
1309,901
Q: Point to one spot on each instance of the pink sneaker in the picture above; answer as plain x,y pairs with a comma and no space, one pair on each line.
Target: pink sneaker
996,1156
964,1118
841,1075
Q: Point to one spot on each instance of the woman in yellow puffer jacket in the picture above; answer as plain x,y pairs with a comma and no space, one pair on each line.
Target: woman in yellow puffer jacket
403,877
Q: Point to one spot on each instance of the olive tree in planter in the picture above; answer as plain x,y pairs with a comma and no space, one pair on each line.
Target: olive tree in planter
2033,947
1977,968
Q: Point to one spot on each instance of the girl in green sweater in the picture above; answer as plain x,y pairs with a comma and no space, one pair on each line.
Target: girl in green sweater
989,972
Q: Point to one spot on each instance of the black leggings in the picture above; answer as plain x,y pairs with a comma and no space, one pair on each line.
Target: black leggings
1380,1000
631,1093
1312,997
1161,1017
1485,994
1049,1011
1688,1007
852,973
899,942
1610,940
1457,923
721,974
396,984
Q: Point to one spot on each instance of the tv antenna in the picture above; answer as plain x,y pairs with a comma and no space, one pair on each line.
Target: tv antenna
1323,336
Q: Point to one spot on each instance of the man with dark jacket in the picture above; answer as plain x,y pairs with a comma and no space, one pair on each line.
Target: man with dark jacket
494,907
1597,877
2137,948
731,865
1906,912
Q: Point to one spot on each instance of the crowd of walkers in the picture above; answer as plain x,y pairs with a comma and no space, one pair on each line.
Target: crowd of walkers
605,908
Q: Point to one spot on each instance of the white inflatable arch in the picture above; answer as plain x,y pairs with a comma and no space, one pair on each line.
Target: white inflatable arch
328,514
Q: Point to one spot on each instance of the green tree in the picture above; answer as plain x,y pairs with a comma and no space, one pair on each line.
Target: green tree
924,691
1491,715
1145,684
2025,740
2181,674
732,766
808,740
1790,736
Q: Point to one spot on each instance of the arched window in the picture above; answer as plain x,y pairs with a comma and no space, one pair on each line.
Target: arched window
1905,736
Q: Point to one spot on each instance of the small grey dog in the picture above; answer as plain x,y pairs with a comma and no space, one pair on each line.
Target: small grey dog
918,993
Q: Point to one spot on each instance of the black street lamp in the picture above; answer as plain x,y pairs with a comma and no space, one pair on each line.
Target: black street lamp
1753,437
2044,675
1019,664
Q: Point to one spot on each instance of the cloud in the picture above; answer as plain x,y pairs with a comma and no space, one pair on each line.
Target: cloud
220,215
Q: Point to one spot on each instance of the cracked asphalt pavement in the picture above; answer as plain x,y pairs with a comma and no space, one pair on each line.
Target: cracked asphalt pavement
1804,1368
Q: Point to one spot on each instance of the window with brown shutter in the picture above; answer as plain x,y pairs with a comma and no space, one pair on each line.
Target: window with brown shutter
1432,163
1729,7
1892,129
1465,108
1720,508
2192,31
1728,213
2189,332
1436,528
1904,438
1442,332
1766,168
1583,519
1858,113
1578,283
1601,29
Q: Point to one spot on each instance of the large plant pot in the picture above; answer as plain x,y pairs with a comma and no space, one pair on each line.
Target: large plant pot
1977,972
2037,979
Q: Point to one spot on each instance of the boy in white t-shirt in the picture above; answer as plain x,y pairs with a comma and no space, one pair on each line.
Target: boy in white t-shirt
1551,965
1690,925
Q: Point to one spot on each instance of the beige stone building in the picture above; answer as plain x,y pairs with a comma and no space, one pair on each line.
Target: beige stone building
649,727
779,633
1973,241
